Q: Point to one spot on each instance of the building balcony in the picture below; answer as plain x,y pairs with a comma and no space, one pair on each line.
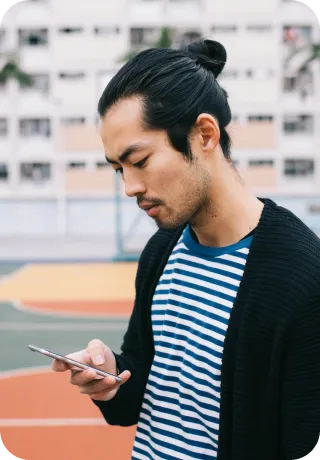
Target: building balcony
80,139
90,182
259,177
35,146
5,147
32,13
35,59
253,135
33,102
156,11
138,9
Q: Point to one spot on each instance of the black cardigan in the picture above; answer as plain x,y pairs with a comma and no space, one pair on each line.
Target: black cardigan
270,390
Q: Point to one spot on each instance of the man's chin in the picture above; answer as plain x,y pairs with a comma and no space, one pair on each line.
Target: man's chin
167,225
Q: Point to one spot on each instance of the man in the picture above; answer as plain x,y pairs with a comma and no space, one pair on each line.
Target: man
221,356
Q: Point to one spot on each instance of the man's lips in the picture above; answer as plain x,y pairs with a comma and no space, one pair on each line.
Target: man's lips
151,209
147,206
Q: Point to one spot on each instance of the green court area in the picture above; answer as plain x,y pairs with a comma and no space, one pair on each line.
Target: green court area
61,334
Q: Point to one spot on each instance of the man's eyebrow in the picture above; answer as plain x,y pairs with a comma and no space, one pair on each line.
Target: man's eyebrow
139,147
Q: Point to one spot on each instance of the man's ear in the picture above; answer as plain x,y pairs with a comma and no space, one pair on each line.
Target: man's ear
209,132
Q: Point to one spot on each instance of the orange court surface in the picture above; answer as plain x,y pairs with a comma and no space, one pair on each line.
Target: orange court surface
60,307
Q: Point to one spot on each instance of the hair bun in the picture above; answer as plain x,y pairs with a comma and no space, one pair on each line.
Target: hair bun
210,54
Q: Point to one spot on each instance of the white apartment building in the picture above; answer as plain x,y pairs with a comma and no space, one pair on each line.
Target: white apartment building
49,146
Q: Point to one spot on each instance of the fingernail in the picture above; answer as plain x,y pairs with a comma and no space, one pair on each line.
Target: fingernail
98,360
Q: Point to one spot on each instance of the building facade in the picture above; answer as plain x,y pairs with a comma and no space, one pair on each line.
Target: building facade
49,144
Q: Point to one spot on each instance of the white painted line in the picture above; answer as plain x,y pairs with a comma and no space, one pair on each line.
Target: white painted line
30,371
21,306
4,279
10,326
38,422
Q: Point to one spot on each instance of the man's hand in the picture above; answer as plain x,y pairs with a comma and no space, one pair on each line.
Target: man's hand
100,356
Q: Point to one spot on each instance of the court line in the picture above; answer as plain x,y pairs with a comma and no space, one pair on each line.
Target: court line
29,326
21,306
39,422
26,372
4,279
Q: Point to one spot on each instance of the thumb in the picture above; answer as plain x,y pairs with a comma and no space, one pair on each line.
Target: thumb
96,350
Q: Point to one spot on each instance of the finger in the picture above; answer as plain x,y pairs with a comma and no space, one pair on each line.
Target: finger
80,356
59,366
82,377
96,349
107,384
125,375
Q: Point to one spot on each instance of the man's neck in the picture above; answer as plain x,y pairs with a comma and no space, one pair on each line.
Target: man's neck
233,213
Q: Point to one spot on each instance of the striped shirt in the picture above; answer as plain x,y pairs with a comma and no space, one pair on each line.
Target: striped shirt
191,308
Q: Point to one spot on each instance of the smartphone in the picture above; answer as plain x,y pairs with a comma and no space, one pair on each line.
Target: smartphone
72,362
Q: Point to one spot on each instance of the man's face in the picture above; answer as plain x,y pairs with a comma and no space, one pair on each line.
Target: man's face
171,190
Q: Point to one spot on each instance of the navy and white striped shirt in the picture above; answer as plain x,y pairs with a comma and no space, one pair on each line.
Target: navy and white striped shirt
191,308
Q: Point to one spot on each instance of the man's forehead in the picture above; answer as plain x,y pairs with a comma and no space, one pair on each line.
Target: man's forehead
122,120
125,110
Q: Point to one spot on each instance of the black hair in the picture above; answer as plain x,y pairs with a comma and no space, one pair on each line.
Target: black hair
175,87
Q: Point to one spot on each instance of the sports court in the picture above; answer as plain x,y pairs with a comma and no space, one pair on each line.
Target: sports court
60,307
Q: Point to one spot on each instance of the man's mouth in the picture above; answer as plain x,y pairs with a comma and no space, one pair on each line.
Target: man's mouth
151,209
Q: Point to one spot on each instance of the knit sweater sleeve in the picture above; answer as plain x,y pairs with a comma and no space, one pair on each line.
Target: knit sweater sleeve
136,354
301,387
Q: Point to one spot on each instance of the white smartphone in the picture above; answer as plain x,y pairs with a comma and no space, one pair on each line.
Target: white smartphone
72,362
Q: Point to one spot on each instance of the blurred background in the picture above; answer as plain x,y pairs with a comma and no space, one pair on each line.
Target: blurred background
69,238
58,197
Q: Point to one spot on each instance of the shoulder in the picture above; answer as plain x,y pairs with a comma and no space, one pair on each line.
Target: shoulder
289,251
291,236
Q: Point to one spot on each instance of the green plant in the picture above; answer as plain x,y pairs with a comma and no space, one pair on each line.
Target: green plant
12,71
314,55
164,41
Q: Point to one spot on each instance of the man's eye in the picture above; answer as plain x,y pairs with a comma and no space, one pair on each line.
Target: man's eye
141,163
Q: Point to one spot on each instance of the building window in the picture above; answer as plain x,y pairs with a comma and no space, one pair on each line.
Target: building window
260,74
302,83
102,165
2,37
3,127
4,172
314,208
38,127
33,37
104,31
69,121
71,30
190,36
260,118
230,73
299,167
297,35
290,84
76,165
143,37
35,172
261,162
259,27
224,28
71,75
40,83
298,124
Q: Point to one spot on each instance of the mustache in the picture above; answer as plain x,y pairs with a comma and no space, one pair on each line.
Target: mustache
153,201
